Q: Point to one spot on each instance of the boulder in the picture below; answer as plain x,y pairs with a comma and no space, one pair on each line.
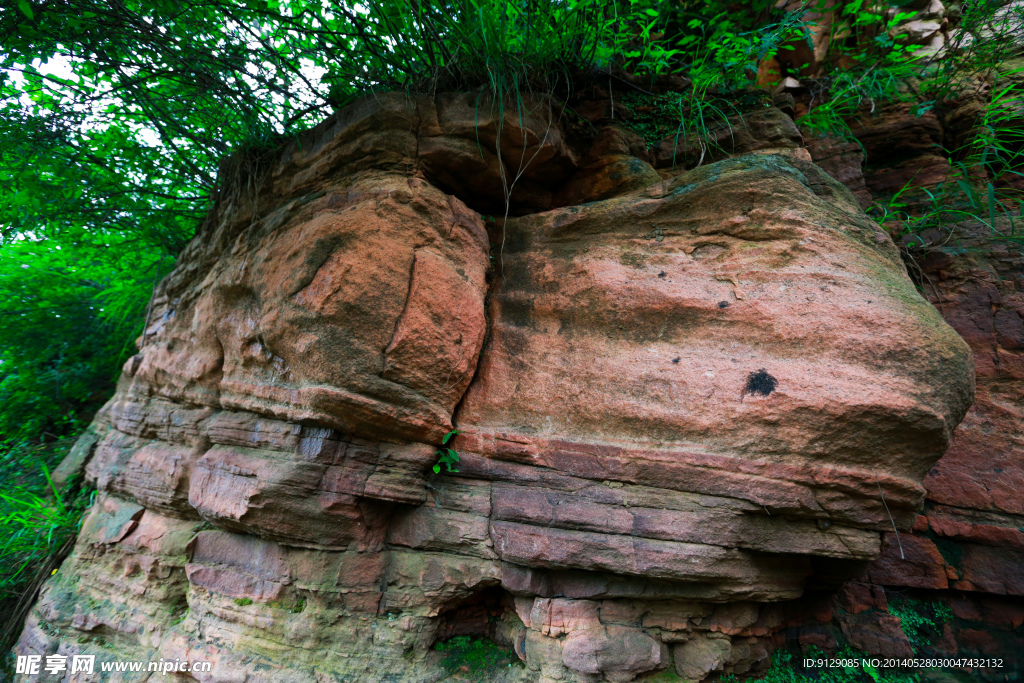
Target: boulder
678,399
616,652
698,657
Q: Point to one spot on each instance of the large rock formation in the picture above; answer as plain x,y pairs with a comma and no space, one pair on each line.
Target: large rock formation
679,405
967,547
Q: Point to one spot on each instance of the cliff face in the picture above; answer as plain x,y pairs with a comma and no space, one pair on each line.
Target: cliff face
682,398
967,548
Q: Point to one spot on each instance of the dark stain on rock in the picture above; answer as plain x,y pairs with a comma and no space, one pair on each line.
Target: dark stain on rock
760,383
723,304
518,311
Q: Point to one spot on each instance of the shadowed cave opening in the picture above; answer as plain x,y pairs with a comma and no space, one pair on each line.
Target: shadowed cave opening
477,616
477,635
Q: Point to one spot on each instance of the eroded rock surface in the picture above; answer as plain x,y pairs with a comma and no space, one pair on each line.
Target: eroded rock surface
678,406
966,549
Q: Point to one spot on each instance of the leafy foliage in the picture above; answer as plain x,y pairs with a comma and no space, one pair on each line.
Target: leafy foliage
446,456
39,526
881,68
115,117
985,176
875,69
985,173
477,655
91,214
70,312
724,48
981,34
697,126
920,621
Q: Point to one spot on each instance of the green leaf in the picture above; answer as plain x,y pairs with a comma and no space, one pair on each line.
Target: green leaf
26,9
968,192
991,206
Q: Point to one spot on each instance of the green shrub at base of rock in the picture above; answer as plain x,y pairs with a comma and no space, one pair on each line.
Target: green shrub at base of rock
475,656
921,621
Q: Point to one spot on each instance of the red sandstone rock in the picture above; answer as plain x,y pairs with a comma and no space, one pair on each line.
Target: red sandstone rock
820,638
699,656
876,634
608,348
607,177
843,161
681,402
981,642
859,597
992,570
974,490
270,326
616,652
919,564
734,618
901,148
979,533
763,129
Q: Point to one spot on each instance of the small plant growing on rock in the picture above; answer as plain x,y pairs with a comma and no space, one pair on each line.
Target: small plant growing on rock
178,613
921,621
446,456
474,656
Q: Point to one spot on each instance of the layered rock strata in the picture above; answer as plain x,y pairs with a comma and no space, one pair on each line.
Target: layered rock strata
679,405
966,550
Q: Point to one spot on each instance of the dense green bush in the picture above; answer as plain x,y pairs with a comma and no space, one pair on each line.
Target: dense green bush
475,656
39,525
70,314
